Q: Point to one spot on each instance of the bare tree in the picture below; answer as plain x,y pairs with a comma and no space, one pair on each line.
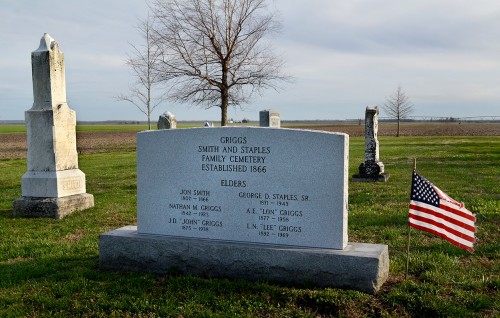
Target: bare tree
142,62
398,106
215,53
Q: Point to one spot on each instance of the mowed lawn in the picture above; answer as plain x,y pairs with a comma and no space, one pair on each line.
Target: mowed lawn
49,268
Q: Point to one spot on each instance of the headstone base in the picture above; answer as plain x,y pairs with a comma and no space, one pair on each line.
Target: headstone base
360,266
57,208
369,178
52,184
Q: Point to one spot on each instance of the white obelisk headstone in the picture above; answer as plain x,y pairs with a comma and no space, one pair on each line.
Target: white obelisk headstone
53,186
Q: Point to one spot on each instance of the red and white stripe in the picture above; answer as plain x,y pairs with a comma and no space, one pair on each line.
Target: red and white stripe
451,221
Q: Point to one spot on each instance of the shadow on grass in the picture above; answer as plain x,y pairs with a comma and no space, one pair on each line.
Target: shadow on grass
17,271
6,214
361,220
74,286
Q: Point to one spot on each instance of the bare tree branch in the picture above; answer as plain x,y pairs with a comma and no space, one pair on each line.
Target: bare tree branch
398,106
214,52
142,63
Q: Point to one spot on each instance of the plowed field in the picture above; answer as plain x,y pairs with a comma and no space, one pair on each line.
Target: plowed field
13,145
414,129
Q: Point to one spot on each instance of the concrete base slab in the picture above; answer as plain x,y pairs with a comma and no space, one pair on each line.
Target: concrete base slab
57,208
360,266
368,178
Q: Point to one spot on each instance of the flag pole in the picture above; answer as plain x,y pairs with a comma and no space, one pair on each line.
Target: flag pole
409,229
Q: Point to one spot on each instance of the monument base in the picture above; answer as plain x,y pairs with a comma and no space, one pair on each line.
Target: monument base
360,266
57,208
53,184
370,178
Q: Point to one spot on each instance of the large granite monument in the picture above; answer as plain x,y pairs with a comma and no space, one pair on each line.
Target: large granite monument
53,186
372,169
245,203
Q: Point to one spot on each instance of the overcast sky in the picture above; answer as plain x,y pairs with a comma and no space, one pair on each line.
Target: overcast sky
344,54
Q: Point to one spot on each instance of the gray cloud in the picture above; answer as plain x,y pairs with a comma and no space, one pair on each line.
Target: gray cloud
344,54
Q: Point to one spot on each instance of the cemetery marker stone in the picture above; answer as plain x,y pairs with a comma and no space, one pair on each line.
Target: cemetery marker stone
237,185
245,202
372,169
269,118
53,186
167,121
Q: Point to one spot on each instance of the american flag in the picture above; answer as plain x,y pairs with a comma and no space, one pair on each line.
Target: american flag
433,211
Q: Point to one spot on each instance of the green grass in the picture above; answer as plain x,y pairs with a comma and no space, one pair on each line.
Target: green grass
49,268
22,128
12,128
110,127
116,127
